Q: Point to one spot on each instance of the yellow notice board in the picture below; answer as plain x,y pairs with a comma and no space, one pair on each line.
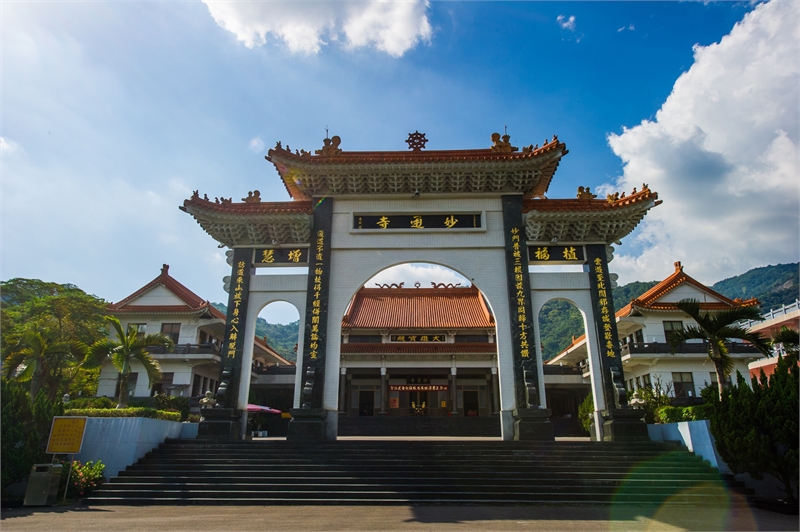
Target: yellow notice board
66,435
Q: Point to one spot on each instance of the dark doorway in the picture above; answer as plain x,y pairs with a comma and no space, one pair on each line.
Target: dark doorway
418,403
366,403
471,404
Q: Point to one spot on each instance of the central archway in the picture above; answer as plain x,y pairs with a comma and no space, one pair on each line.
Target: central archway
418,356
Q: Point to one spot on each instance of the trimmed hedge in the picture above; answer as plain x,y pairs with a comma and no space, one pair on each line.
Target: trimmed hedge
674,414
125,412
91,402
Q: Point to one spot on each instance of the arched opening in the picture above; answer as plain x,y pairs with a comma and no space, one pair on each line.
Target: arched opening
562,336
418,356
273,371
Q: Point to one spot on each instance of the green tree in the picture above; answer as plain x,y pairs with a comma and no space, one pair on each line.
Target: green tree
756,429
42,357
67,313
127,348
716,329
25,427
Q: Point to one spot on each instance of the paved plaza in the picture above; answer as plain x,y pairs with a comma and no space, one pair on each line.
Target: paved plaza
412,518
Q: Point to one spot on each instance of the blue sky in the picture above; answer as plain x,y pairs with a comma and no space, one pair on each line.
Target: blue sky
113,113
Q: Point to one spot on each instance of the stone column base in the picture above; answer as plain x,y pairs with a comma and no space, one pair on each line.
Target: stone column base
220,424
533,424
624,425
307,425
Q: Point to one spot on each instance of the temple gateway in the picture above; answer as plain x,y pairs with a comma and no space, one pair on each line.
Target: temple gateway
403,353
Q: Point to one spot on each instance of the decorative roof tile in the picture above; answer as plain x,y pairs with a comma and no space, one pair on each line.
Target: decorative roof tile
418,308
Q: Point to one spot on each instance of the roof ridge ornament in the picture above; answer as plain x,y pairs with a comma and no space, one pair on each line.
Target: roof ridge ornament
585,194
253,197
416,141
504,145
330,146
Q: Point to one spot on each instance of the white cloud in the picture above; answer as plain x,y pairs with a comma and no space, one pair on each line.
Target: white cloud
629,27
305,27
421,273
722,152
8,146
256,145
566,23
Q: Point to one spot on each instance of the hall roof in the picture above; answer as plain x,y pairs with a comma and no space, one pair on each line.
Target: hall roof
418,308
500,168
192,303
652,299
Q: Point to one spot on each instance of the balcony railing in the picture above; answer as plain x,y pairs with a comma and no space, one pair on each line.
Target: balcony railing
561,370
184,349
685,347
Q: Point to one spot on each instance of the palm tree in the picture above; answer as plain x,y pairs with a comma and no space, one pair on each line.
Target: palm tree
41,357
126,349
716,328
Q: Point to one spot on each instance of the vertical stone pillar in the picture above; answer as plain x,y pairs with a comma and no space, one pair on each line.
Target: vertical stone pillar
454,393
224,421
532,421
620,422
495,392
343,391
308,422
382,411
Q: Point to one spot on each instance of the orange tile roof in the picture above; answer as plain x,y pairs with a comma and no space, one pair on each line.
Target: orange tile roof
194,303
260,342
285,160
252,208
418,308
420,348
580,205
649,300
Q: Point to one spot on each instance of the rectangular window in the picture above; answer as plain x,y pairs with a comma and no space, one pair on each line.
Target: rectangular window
140,328
638,382
683,384
646,382
713,376
670,328
173,330
132,378
638,336
163,385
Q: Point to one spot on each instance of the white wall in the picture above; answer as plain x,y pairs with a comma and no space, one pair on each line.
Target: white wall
699,367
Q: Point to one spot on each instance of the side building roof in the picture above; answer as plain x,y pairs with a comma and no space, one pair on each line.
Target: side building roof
192,303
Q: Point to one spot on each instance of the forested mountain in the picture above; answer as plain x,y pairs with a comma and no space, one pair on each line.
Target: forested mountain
559,320
772,285
281,338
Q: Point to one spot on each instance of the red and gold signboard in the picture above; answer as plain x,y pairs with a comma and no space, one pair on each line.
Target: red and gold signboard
418,387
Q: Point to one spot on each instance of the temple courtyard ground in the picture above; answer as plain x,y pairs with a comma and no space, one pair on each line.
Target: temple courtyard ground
405,518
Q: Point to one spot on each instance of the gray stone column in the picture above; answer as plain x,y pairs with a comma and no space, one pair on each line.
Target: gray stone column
343,391
454,394
495,392
383,392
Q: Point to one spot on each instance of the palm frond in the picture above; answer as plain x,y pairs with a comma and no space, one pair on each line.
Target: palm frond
151,366
760,342
687,333
790,338
99,351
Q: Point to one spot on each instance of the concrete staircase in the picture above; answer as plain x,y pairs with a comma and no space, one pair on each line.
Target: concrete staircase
416,472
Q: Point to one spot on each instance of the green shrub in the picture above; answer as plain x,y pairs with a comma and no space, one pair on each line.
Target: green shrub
92,402
586,413
654,397
669,414
83,479
695,413
193,418
125,412
178,404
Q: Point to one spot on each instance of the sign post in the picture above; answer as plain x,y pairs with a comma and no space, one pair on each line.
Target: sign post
66,437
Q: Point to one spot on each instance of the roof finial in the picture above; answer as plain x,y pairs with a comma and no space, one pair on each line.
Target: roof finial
326,131
165,269
678,266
